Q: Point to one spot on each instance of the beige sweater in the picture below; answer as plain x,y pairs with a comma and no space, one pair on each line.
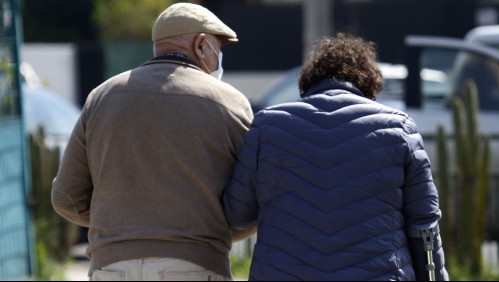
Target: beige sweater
147,163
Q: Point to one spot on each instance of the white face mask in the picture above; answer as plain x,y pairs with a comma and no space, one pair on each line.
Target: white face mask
220,71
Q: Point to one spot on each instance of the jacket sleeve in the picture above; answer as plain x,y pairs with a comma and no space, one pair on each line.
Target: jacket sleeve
421,206
240,235
239,198
72,188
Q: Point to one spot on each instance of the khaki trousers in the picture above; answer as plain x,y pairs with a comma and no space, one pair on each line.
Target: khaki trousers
155,269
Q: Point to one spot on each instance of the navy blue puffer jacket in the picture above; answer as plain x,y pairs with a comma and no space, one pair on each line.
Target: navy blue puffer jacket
332,182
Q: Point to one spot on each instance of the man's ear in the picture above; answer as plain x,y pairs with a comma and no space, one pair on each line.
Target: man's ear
198,47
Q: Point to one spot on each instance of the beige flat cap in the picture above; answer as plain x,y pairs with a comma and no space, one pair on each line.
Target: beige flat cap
185,18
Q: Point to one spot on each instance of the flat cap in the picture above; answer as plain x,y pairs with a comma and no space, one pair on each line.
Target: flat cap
185,18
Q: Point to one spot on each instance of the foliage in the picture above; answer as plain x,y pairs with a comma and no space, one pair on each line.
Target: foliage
8,95
127,20
54,235
462,272
464,204
240,267
48,268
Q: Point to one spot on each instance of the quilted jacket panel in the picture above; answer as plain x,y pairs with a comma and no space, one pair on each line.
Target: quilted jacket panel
332,182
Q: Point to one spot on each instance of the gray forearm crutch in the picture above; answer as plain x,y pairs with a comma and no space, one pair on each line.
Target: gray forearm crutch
426,233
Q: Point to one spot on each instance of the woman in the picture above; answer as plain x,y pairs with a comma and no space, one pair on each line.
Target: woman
335,180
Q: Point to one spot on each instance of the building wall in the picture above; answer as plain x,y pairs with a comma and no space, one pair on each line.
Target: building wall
55,64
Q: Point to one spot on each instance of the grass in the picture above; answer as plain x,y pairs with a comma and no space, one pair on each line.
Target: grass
48,268
462,272
240,267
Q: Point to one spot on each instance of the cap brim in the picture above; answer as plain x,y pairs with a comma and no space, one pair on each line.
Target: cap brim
229,40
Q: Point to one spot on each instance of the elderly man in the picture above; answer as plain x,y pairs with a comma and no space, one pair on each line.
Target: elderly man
151,154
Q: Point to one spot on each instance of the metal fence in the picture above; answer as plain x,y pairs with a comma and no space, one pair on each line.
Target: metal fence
15,235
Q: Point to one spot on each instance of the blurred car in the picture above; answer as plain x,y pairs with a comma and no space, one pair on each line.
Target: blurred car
285,88
473,60
487,35
441,75
44,108
47,110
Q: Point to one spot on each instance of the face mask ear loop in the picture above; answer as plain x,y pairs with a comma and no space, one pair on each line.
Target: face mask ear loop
218,54
202,61
206,67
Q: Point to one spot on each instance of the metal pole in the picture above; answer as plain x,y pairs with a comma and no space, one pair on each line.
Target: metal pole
317,22
431,270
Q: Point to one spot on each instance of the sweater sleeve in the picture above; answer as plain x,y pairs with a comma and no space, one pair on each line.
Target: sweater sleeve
239,198
421,206
72,188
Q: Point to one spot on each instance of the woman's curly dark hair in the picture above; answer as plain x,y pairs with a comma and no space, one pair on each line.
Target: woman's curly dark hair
345,57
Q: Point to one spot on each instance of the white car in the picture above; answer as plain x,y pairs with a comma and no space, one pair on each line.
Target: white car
44,108
487,35
475,57
285,88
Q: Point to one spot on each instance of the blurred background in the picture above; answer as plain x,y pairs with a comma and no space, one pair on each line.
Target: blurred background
432,53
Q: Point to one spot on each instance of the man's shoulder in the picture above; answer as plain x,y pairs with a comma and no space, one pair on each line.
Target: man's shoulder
99,90
209,88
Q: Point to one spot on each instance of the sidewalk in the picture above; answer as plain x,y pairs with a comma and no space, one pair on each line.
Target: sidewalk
78,269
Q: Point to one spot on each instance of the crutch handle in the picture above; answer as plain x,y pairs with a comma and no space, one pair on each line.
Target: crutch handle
426,233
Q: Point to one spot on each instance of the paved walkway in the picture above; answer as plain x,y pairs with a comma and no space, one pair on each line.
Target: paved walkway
77,271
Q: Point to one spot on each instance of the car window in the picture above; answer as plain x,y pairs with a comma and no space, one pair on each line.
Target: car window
393,88
287,93
452,62
393,81
484,72
444,73
283,89
496,46
436,67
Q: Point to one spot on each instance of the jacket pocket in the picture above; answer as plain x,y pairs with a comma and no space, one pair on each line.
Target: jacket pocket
108,275
190,276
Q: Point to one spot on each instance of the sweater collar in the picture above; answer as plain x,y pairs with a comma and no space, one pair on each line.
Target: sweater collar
333,84
173,58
